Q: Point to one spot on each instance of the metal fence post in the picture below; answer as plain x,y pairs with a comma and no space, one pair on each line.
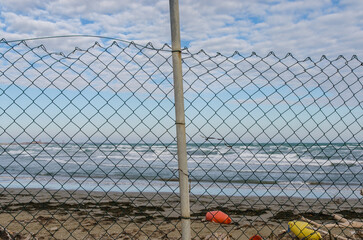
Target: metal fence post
180,118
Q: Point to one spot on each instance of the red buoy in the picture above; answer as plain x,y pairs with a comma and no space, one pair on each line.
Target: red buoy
218,217
256,237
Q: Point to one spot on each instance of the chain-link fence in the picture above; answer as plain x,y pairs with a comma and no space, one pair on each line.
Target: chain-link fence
88,147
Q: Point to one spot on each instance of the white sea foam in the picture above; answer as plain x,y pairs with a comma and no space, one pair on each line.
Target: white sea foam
269,163
15,152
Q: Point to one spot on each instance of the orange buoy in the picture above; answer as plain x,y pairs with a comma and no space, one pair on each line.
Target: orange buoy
255,237
218,217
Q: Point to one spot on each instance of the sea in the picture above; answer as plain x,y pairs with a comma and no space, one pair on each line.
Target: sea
307,170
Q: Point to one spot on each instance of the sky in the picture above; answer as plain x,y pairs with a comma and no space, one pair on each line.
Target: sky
308,101
307,28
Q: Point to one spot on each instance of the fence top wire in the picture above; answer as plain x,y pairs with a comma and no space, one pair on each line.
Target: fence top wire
167,48
116,42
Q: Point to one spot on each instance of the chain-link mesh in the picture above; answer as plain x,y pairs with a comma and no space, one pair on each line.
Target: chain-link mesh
279,138
88,143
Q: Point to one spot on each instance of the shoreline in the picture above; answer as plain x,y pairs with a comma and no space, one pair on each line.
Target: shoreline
79,214
227,189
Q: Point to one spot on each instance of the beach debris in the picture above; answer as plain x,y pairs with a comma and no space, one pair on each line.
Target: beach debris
338,200
342,223
5,235
53,229
282,235
358,233
303,230
218,217
8,235
256,237
218,236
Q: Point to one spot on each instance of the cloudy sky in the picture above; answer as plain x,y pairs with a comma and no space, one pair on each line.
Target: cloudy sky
304,28
309,28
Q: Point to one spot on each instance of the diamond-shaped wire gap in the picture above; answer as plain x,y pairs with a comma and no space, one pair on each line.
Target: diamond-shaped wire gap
219,70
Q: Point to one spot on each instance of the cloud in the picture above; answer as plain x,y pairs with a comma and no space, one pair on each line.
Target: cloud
22,6
26,24
304,28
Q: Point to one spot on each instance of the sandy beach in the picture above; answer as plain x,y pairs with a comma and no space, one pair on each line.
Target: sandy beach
97,215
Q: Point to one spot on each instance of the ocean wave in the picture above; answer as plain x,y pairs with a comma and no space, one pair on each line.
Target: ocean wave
240,163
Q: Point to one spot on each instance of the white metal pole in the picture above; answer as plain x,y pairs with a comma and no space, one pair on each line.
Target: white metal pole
180,119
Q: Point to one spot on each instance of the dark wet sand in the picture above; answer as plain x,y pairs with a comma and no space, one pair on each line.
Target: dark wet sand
98,215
